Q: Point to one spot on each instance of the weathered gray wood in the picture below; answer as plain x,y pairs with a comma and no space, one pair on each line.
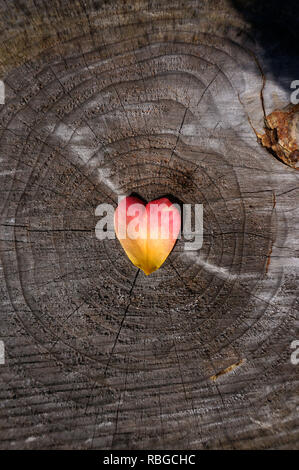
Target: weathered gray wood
109,98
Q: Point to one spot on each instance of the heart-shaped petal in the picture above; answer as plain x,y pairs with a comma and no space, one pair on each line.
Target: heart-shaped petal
147,232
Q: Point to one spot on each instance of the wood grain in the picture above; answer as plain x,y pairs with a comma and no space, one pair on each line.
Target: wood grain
110,98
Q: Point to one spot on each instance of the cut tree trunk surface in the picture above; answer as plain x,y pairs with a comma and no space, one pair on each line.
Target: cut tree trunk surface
159,98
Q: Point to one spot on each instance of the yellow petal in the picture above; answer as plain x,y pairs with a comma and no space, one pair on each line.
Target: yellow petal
147,233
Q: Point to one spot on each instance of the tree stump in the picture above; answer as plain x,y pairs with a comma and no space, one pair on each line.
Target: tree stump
104,99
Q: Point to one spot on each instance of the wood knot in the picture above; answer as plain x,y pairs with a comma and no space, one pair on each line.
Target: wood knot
281,135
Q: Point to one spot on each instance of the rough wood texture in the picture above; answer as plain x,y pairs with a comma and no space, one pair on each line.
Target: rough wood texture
108,98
